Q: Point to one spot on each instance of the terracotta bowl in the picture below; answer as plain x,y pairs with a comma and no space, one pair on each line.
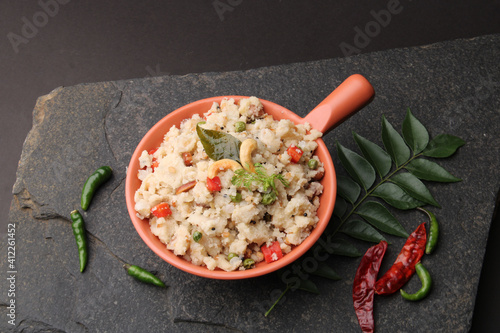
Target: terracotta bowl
349,97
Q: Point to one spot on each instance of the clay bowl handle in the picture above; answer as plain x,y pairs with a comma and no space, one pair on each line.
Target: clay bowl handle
352,94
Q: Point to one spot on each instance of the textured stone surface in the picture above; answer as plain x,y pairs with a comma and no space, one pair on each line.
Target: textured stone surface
451,87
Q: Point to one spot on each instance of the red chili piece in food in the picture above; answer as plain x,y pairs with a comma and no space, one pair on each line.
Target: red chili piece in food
404,266
214,184
161,210
295,153
154,164
273,252
363,290
187,158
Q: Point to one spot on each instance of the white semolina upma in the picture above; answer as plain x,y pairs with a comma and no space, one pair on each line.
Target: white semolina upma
239,210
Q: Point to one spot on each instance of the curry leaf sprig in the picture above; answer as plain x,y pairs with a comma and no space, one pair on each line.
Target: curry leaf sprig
243,178
400,168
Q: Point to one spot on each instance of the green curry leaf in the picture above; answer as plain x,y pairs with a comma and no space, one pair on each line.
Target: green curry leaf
394,143
326,271
359,168
380,217
428,170
414,133
443,145
396,197
308,285
219,145
340,208
342,247
348,189
414,187
374,154
361,230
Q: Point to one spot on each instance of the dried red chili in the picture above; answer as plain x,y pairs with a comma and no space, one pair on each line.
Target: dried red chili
404,266
363,286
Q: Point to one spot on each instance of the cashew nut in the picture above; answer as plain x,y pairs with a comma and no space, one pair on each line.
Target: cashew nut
221,165
246,149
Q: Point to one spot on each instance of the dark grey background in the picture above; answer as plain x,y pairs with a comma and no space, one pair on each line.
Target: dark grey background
89,41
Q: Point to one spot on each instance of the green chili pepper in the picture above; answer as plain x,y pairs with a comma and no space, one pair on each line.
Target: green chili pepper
239,126
143,275
425,279
197,236
313,164
92,184
248,263
231,256
78,226
236,198
433,232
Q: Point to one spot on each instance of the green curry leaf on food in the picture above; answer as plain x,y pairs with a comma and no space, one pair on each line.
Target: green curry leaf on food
219,145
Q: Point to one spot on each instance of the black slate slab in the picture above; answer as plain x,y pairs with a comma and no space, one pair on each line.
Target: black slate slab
451,87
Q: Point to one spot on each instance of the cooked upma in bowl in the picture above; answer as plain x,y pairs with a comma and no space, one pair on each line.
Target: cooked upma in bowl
268,182
231,187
